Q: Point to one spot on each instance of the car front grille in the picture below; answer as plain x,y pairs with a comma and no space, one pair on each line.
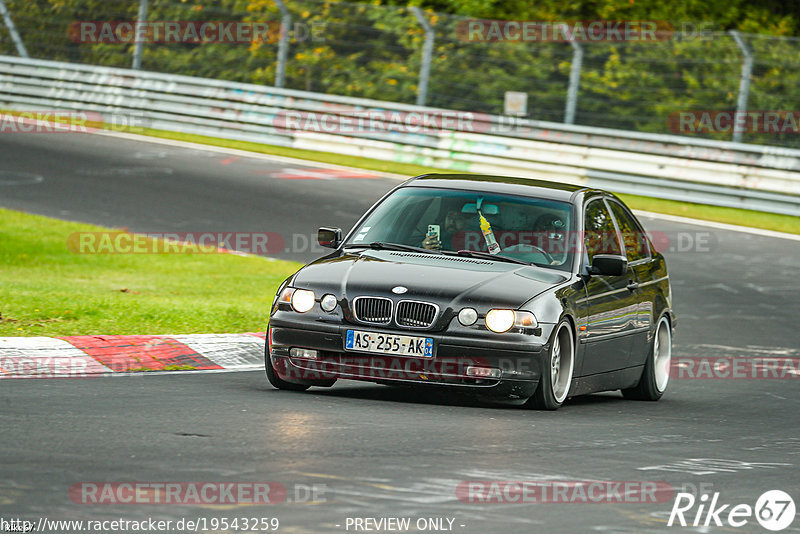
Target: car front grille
414,314
375,310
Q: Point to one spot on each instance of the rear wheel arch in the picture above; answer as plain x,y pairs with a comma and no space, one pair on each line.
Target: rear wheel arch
658,365
660,304
665,312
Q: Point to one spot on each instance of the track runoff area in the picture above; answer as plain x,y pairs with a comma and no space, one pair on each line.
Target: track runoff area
203,449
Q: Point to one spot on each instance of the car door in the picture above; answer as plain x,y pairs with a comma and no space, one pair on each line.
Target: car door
610,307
643,267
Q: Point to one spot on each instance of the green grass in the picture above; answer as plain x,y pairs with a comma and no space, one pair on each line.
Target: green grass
47,290
756,219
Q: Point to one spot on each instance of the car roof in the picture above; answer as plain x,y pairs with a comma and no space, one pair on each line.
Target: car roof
498,184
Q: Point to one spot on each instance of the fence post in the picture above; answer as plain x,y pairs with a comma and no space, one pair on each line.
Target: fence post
427,52
744,83
283,44
12,29
574,80
138,47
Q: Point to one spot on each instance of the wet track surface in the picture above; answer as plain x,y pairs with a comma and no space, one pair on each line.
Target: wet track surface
374,451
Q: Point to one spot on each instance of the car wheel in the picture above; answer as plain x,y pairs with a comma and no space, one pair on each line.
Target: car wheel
655,376
557,376
274,379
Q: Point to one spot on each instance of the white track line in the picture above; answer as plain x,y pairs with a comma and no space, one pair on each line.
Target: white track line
310,163
718,225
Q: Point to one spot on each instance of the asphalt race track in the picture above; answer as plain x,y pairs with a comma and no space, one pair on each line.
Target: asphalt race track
375,451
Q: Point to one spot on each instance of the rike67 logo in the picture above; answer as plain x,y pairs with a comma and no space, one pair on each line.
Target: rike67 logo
774,510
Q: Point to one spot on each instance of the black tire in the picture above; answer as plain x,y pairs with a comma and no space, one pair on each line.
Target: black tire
274,379
655,375
559,370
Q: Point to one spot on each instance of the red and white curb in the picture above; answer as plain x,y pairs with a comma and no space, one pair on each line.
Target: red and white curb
96,356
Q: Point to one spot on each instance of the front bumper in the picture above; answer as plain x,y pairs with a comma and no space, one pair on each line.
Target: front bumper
518,357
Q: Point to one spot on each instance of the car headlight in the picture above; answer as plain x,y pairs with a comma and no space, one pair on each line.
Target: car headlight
499,321
301,300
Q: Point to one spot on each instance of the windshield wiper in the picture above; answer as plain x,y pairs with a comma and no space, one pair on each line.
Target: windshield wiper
383,245
479,254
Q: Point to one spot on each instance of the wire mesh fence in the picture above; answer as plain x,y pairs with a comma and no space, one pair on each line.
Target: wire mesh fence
687,80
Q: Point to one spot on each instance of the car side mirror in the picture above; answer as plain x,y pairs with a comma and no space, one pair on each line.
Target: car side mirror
608,265
329,237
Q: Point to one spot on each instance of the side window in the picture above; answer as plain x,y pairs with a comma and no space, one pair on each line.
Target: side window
633,237
600,234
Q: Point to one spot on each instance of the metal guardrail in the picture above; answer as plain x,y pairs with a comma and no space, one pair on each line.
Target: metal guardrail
719,173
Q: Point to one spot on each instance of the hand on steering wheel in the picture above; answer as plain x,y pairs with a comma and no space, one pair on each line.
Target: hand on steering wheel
522,246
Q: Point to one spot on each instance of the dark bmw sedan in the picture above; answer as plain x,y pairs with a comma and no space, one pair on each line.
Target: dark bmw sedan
518,290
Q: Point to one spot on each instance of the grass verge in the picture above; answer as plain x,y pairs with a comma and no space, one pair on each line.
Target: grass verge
755,219
47,290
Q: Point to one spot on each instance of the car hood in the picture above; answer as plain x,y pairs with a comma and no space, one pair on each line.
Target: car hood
448,281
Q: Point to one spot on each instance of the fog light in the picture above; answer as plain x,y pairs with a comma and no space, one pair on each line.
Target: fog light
307,354
483,372
328,303
467,316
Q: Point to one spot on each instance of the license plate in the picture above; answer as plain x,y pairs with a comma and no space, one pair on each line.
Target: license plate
420,347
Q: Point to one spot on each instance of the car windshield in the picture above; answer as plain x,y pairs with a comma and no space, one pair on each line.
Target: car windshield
530,229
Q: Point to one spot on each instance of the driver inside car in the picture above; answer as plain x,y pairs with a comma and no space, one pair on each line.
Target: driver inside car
454,222
549,229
